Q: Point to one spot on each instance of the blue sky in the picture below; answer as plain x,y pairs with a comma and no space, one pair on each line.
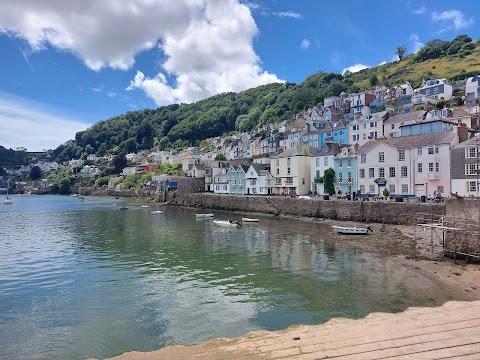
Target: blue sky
65,65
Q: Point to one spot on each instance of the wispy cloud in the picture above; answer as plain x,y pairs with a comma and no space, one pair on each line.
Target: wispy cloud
289,14
452,18
355,68
24,123
421,10
305,44
416,44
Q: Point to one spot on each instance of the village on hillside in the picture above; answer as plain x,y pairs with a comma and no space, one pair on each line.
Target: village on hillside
387,142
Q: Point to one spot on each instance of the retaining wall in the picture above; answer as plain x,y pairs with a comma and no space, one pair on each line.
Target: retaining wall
387,212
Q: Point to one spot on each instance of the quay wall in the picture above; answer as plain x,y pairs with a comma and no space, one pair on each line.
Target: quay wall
387,212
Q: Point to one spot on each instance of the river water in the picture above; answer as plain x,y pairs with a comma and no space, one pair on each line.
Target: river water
83,279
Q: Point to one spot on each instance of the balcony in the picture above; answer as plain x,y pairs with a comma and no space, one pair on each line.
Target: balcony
433,175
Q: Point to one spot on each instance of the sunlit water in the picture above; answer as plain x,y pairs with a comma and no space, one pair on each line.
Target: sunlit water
84,279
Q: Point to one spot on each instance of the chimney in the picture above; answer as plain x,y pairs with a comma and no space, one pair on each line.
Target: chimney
308,128
462,133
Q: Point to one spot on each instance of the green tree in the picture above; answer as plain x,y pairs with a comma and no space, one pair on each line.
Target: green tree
328,181
102,150
64,187
119,162
220,157
440,104
401,51
145,136
35,173
373,80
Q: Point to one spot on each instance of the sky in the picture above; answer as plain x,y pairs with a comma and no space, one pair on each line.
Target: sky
65,64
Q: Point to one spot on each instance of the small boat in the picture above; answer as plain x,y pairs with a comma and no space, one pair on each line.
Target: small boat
204,215
250,220
156,212
227,223
123,207
362,230
7,201
145,206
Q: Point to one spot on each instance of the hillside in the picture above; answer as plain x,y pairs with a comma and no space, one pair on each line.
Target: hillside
178,126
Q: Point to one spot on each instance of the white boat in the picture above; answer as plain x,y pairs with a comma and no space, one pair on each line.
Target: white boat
227,223
123,207
250,220
204,215
362,230
7,200
145,206
154,212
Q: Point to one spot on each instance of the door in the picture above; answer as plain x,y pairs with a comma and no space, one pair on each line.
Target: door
419,190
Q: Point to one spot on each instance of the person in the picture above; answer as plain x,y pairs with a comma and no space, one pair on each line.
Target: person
439,196
429,197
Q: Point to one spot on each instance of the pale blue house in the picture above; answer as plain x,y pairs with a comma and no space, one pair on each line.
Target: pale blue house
345,166
237,180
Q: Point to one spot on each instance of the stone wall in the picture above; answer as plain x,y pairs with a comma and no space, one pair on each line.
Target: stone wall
359,211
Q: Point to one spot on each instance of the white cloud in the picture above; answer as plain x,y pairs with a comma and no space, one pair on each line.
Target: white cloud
289,14
305,44
455,16
33,126
207,44
355,68
421,10
415,41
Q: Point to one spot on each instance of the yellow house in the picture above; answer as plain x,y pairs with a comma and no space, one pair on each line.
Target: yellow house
291,170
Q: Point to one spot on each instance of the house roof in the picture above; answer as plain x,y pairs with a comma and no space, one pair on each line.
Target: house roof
473,141
405,142
259,167
406,117
298,150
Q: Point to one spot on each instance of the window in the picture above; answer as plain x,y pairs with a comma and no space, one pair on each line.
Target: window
391,172
349,163
471,169
317,162
363,158
435,90
277,162
371,173
381,156
430,167
393,126
472,186
303,181
278,172
288,166
471,152
427,92
440,188
349,177
419,167
381,172
364,136
355,137
433,149
404,188
373,124
373,134
371,189
391,189
278,181
362,173
317,173
364,126
401,155
325,161
289,181
419,151
437,167
403,172
340,163
340,177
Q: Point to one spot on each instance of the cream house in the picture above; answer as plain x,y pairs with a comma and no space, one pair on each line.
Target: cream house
291,170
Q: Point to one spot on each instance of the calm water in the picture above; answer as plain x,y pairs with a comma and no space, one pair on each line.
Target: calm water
84,279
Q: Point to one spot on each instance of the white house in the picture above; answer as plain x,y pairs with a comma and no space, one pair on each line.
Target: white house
221,185
259,179
367,127
320,163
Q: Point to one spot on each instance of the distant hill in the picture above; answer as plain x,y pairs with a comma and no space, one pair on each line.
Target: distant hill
178,126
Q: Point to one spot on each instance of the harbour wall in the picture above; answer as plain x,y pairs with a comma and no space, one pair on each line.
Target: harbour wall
386,212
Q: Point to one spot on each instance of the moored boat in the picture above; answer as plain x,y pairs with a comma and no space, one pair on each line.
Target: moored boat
250,220
155,212
352,230
204,215
227,223
7,201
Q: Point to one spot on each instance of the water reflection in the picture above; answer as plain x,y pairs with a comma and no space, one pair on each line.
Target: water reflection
83,279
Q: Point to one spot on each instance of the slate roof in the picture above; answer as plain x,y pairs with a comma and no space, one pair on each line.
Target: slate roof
473,141
406,142
259,167
406,117
298,150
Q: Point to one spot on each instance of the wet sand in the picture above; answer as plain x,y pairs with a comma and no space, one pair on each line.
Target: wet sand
449,331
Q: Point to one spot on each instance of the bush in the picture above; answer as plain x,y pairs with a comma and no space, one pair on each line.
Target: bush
386,193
